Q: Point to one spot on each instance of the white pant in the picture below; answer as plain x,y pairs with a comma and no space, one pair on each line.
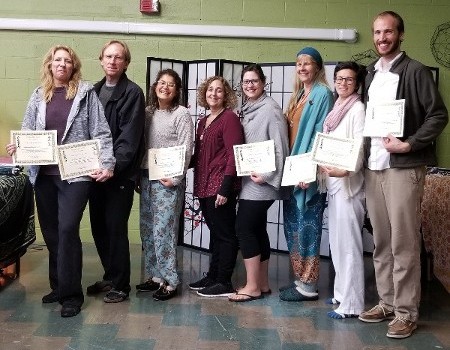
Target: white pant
345,221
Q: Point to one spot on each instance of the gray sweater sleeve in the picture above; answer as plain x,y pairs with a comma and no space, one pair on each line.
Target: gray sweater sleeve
185,134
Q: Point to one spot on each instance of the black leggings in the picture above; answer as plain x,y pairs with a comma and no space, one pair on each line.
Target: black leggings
251,228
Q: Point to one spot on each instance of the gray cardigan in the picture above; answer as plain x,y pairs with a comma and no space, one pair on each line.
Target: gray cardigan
86,121
264,120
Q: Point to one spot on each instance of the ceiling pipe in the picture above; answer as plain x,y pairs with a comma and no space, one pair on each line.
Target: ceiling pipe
52,25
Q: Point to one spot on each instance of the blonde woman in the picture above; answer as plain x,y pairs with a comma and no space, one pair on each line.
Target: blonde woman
303,211
63,102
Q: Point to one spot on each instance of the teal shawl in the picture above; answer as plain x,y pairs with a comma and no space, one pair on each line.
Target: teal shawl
311,122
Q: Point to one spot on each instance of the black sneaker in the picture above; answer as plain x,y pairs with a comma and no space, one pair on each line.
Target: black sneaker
51,297
70,309
115,296
206,281
99,287
148,286
217,290
164,294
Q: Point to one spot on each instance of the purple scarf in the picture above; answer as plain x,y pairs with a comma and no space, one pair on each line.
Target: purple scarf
338,112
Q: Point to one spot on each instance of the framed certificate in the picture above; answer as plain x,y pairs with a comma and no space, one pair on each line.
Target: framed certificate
299,168
258,157
338,152
166,162
78,158
34,147
384,118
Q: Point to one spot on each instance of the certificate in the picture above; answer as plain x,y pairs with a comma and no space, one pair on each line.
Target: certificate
338,152
385,118
258,157
34,147
299,168
166,162
78,158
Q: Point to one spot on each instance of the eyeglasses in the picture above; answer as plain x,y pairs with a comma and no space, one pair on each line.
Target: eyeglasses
250,81
164,83
348,80
114,58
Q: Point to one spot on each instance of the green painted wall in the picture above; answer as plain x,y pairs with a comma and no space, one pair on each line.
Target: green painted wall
22,52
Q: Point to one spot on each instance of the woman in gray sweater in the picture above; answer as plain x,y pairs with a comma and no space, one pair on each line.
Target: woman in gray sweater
167,124
63,102
263,120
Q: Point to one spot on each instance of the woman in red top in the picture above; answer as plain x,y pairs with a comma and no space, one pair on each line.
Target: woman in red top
216,184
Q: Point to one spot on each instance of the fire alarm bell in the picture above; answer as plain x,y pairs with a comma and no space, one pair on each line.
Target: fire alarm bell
149,6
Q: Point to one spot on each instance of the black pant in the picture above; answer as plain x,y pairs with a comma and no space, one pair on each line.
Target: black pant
251,228
60,207
109,208
223,240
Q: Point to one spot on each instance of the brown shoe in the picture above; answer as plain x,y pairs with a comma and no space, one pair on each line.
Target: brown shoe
401,328
377,314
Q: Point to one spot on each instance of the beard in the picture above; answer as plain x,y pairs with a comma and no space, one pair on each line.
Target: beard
395,46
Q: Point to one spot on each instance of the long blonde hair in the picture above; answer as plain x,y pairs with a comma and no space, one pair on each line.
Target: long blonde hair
47,83
299,86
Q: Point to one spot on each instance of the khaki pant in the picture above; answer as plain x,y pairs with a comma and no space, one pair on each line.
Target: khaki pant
393,199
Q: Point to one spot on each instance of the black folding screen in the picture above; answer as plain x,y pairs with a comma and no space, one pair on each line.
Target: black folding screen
280,82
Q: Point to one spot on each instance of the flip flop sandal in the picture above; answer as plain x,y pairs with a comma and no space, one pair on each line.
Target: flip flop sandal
243,300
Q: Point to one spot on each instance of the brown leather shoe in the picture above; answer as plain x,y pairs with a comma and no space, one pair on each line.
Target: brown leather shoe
401,328
377,314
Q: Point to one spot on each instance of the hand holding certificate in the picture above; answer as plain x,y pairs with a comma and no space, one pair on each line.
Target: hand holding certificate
34,147
166,162
384,118
257,157
78,158
299,168
336,152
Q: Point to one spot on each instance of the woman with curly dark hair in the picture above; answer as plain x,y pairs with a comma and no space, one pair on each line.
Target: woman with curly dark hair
167,124
216,184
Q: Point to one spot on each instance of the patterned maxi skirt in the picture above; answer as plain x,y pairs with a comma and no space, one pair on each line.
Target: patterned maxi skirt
303,232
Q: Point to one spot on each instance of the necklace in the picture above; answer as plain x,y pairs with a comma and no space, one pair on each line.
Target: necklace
209,119
301,102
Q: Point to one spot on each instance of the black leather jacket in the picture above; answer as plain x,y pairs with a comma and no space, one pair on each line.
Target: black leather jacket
125,113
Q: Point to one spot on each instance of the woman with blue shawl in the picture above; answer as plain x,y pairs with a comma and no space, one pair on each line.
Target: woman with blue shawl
310,103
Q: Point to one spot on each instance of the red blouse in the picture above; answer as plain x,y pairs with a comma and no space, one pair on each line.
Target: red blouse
213,160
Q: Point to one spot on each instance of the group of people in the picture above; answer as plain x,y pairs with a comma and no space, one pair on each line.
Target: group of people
389,178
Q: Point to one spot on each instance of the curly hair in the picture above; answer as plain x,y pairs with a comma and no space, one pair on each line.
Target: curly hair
230,99
153,99
47,76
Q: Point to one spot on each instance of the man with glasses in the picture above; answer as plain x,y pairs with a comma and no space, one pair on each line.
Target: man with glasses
110,202
395,175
